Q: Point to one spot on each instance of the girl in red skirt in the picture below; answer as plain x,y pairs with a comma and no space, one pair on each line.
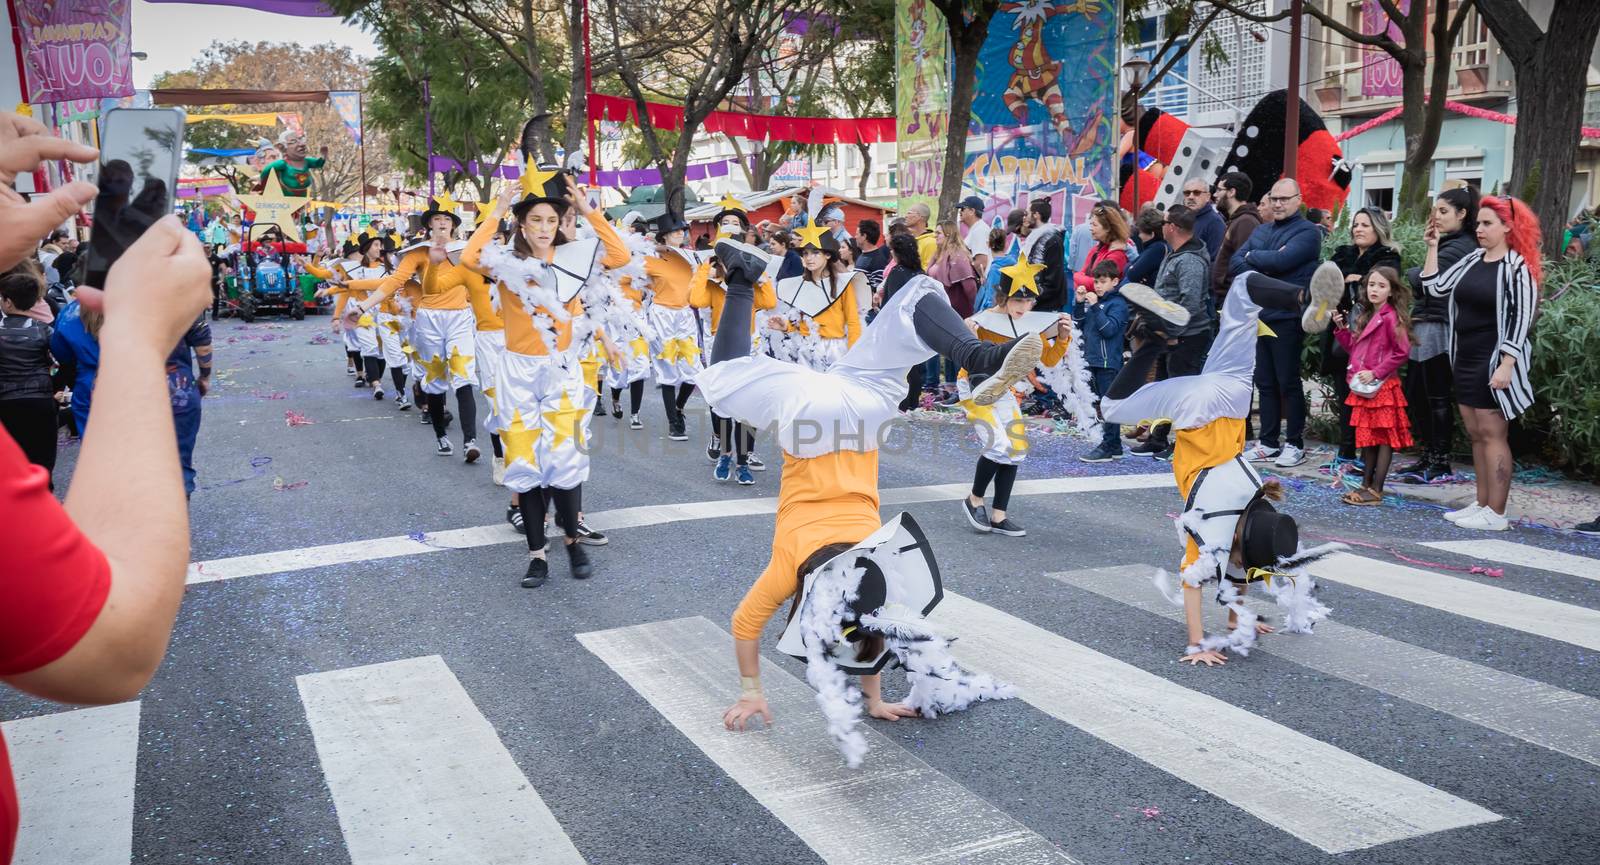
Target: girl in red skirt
1379,341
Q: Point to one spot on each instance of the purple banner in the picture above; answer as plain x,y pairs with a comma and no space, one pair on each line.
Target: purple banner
74,50
1380,72
634,177
303,8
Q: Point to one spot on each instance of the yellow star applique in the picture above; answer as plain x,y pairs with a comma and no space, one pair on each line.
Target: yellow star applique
458,362
484,209
980,413
446,203
393,325
437,368
518,440
365,320
811,235
639,346
533,180
1023,275
729,202
591,371
1263,330
566,422
407,348
272,207
494,405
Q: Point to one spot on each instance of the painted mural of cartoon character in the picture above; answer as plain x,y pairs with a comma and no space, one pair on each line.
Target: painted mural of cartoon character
1038,75
917,34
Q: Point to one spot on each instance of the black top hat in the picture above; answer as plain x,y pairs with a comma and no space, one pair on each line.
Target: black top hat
351,245
1266,536
667,222
434,210
553,192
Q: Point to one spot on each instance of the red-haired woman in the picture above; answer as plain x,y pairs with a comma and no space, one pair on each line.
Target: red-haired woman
1493,293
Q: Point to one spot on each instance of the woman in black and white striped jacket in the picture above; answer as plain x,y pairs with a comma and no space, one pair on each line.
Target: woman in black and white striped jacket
1494,294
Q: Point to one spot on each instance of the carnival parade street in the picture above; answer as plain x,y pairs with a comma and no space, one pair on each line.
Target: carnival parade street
389,688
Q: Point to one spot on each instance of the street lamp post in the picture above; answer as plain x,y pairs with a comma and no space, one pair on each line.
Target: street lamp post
1134,70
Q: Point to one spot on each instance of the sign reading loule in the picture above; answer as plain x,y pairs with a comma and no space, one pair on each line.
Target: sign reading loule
74,49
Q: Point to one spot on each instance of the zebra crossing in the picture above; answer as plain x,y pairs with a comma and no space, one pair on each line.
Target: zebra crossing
416,770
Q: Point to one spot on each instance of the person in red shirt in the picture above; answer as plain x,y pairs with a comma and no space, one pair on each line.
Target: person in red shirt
87,609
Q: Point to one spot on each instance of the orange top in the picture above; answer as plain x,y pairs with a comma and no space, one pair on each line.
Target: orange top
339,293
1195,450
669,276
625,284
841,320
444,285
482,307
822,500
522,336
707,293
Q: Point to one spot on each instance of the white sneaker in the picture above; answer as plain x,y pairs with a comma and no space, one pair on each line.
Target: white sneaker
1327,288
1260,453
1291,457
1461,513
1484,520
498,470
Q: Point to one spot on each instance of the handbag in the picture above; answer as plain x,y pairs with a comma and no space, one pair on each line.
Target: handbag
1366,389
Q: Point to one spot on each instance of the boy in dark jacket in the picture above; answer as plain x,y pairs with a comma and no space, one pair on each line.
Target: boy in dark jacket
1102,318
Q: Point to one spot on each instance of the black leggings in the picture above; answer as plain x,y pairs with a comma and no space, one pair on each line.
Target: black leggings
32,423
1264,290
533,504
374,369
354,359
736,438
674,402
466,410
635,396
1429,386
1004,477
398,376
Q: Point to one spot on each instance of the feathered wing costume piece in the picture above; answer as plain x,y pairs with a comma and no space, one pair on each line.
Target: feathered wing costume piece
1070,381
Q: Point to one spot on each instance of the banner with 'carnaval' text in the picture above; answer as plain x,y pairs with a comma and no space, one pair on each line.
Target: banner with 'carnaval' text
74,50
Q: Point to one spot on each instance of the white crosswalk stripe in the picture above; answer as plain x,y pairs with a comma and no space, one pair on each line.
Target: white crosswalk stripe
605,521
1523,555
1542,617
1532,711
418,774
894,809
75,777
1316,792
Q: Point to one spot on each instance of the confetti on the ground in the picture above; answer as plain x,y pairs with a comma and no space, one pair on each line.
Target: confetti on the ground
320,339
258,467
277,394
294,418
279,485
1150,813
1481,570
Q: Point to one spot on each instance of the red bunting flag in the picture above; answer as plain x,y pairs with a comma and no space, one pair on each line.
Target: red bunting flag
759,127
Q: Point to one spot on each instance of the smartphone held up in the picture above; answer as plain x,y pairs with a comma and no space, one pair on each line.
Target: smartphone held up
140,151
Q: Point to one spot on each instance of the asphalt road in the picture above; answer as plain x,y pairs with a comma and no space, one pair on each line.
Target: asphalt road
1342,746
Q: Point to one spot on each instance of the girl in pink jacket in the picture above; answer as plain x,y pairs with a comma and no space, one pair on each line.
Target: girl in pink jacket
1378,341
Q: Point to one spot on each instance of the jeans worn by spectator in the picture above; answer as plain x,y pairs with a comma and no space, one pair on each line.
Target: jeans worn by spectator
1283,398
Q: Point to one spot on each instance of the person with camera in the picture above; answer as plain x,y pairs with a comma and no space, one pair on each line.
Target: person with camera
85,615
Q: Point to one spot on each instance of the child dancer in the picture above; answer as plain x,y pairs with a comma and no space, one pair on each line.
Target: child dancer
862,589
1232,534
1378,341
819,315
1003,430
674,323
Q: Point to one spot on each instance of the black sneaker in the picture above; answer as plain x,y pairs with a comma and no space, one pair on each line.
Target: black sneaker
714,449
676,432
538,573
360,382
514,517
1416,468
591,537
1147,449
470,449
1009,528
425,418
616,410
744,264
1590,528
634,422
977,515
578,557
1101,454
1020,360
754,462
1146,298
445,448
1165,455
599,407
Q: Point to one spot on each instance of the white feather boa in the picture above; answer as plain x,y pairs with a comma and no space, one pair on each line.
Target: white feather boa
1070,381
938,684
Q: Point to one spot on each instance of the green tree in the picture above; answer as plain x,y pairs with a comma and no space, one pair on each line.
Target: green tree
862,76
478,103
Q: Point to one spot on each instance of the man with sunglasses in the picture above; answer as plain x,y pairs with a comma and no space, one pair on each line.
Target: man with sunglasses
1208,223
1288,248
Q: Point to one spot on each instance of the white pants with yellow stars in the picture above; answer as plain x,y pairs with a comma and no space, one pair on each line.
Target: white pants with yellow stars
446,341
365,336
491,346
392,337
679,358
635,366
544,422
1000,428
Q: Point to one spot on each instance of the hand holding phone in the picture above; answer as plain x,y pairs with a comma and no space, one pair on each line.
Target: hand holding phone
139,156
25,144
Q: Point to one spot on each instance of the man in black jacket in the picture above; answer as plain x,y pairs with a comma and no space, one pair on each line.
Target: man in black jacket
1184,280
1046,245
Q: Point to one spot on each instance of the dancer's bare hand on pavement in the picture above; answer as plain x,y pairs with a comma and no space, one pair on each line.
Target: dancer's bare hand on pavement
890,711
748,707
1209,658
